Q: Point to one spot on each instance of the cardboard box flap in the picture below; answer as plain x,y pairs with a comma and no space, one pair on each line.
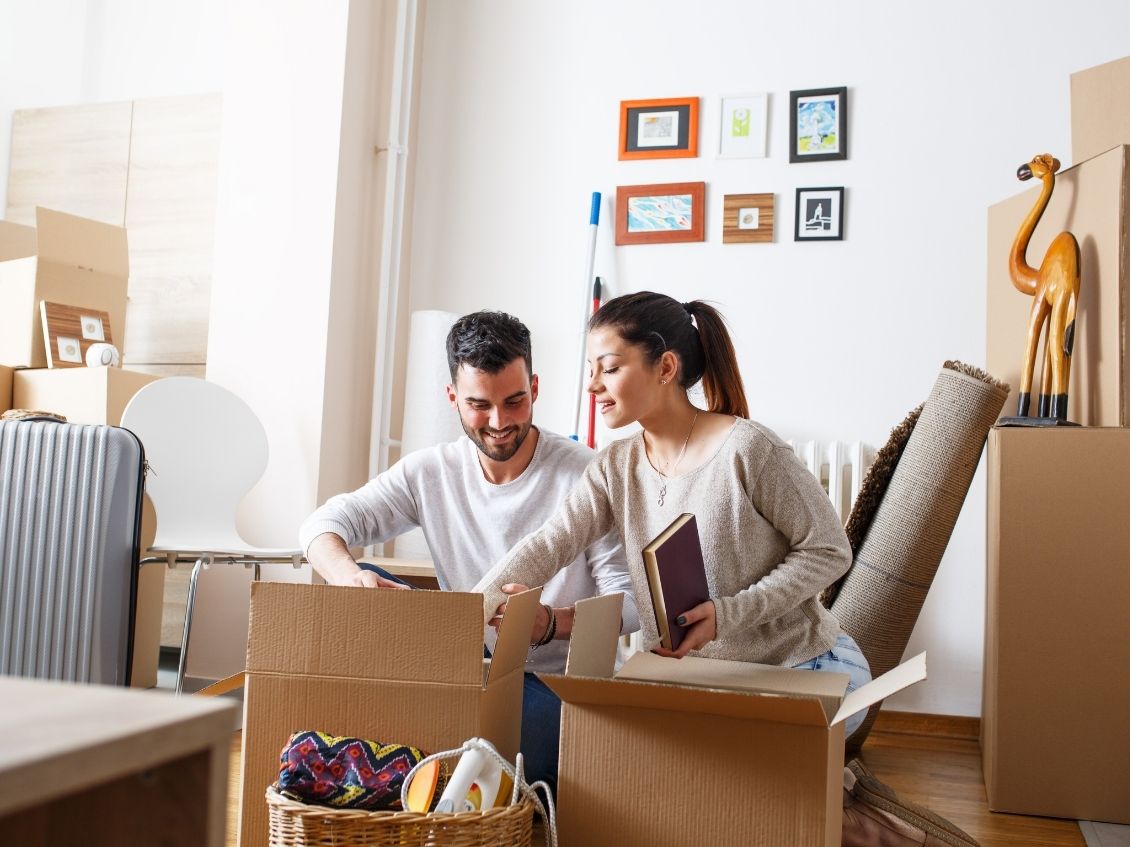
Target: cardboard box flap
16,241
896,679
797,709
828,688
592,643
365,633
76,242
513,644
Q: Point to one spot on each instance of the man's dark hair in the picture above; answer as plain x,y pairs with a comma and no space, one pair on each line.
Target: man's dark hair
488,341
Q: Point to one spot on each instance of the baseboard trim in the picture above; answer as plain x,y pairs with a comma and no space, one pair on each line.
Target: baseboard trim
921,723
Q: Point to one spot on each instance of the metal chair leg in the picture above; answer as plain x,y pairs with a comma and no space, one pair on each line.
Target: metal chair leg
188,623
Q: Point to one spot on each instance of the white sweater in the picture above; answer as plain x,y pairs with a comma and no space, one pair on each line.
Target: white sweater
470,523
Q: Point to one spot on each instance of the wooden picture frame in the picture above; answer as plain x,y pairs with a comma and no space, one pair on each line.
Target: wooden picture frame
663,213
818,129
747,219
743,126
659,129
68,332
819,214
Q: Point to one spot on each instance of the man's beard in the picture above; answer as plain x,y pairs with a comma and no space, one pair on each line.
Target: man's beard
496,452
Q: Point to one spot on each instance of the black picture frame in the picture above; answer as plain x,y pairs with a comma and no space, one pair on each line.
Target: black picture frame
820,113
814,222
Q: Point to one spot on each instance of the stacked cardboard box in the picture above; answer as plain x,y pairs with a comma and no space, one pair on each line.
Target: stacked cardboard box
1053,738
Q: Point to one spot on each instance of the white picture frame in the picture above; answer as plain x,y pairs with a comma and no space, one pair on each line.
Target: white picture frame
742,126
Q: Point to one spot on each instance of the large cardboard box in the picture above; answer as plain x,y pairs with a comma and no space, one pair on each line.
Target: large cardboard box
99,396
1089,201
1054,735
1100,109
63,259
390,666
5,389
700,751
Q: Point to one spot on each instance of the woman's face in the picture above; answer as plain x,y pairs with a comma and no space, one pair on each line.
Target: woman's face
625,385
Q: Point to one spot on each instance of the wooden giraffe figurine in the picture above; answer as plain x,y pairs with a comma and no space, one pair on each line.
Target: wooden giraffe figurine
1055,289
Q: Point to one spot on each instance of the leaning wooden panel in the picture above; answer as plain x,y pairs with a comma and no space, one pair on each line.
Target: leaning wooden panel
70,158
170,217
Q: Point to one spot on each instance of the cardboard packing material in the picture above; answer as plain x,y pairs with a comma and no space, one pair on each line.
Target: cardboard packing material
390,666
700,751
63,259
1100,109
1090,201
5,389
1055,740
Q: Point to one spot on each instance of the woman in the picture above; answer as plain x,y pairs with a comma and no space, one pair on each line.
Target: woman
771,540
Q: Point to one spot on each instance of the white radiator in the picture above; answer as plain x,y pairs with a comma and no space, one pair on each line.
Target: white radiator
840,466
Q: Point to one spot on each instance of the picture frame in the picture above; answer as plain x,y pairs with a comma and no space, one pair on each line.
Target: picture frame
818,129
661,213
659,129
747,218
68,332
742,126
819,214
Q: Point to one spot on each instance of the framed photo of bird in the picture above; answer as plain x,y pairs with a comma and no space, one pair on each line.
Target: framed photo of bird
818,128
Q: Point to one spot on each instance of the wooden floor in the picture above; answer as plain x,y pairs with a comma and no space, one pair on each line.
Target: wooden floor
936,764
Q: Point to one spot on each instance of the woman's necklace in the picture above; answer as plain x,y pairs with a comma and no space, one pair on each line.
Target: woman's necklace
675,467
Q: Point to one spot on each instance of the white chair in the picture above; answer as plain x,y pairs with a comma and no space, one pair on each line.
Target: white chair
204,450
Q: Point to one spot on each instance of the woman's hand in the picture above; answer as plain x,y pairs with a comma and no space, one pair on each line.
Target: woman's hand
541,618
702,630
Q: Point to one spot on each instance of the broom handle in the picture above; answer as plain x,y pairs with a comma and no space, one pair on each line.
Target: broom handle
594,222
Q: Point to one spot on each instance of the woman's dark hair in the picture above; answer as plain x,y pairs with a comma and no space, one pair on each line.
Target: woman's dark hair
657,323
488,341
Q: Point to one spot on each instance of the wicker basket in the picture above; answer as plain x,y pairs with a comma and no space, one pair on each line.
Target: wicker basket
294,824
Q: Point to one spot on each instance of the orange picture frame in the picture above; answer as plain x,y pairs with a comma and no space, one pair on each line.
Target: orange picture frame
665,213
659,129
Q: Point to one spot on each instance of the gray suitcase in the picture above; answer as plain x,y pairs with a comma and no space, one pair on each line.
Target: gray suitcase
70,520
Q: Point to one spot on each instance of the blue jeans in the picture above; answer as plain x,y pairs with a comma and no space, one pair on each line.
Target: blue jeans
541,718
844,657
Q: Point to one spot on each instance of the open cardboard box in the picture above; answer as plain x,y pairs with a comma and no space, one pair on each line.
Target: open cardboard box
62,259
1100,109
5,389
700,751
390,666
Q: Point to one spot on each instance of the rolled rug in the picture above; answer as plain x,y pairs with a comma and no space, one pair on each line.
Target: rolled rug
894,564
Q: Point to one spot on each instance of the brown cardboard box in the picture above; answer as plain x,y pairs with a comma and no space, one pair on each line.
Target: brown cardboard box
1089,200
700,751
99,396
1100,109
390,666
1054,736
63,259
5,389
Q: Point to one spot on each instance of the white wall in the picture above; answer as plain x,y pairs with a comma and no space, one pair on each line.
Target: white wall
519,121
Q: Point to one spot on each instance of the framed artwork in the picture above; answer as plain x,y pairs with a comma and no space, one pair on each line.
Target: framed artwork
69,330
659,129
741,134
747,218
658,214
818,124
819,214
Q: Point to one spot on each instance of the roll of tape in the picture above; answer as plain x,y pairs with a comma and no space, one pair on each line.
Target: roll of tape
102,355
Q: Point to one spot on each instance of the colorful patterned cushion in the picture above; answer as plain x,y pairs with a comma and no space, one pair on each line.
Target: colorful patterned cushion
345,772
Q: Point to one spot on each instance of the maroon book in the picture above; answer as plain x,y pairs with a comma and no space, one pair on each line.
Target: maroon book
676,575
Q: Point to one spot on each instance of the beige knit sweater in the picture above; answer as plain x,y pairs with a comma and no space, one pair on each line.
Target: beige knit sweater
770,537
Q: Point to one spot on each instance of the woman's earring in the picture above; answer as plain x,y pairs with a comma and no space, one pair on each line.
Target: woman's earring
662,382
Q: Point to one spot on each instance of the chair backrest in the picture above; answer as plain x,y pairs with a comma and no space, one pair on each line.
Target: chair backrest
206,449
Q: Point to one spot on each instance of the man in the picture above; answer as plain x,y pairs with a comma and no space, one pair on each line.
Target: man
475,498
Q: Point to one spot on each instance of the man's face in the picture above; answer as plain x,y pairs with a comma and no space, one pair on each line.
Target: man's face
496,410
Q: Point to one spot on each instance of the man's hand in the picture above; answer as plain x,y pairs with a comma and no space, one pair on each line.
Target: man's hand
368,579
703,628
